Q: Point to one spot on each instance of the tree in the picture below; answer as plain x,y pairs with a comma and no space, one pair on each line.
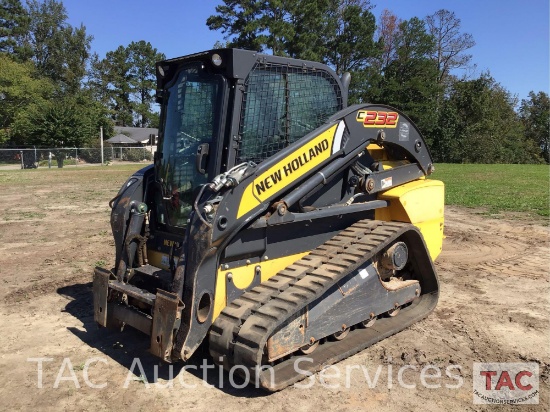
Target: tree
350,39
450,44
14,28
409,79
407,64
20,91
94,114
336,32
60,51
64,123
367,83
277,26
125,81
387,33
31,113
304,35
535,116
96,80
351,45
450,47
58,125
142,57
109,79
239,21
478,124
42,101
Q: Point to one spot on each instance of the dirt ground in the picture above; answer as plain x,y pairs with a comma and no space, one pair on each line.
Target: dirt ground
54,227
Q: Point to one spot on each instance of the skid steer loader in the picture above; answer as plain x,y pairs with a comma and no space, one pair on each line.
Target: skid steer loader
276,222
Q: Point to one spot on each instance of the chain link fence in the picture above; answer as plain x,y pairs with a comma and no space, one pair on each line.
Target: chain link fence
31,158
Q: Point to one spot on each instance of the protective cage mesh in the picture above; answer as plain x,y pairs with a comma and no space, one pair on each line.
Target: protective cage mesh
281,104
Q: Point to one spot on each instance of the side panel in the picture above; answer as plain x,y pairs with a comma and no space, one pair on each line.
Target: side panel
421,203
243,277
256,255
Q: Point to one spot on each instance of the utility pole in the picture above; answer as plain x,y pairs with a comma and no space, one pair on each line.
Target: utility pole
101,140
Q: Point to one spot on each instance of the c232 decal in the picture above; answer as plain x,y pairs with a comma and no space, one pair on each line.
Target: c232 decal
373,118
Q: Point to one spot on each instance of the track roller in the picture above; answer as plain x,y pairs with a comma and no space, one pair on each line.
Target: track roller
395,311
307,349
369,322
342,334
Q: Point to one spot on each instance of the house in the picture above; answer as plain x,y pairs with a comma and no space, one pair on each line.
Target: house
135,136
145,137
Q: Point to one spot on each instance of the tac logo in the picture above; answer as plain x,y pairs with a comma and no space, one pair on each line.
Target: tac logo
506,383
372,118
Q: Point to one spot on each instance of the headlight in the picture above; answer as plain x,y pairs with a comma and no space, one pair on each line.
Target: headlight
216,59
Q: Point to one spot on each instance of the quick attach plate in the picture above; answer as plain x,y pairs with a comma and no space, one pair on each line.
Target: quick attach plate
101,292
166,320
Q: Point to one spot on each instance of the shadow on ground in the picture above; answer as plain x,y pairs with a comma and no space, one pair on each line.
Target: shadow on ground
124,347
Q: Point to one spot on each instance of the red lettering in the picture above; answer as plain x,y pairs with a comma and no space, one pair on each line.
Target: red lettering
505,380
381,120
488,375
370,118
518,381
391,119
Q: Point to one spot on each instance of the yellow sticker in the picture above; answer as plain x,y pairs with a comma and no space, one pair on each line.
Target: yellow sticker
288,170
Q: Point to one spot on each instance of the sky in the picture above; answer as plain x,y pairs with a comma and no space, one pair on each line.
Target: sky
512,36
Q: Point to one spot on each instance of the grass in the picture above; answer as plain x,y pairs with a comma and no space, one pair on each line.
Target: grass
497,188
79,175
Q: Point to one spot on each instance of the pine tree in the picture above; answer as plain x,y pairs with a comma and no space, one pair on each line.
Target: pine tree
14,29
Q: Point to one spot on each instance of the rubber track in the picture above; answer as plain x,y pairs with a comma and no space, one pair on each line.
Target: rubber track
239,334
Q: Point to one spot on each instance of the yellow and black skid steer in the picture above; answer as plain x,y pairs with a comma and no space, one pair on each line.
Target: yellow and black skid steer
276,222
